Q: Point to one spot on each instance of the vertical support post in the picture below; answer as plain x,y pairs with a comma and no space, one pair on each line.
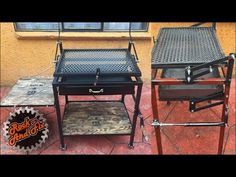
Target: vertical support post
135,115
156,116
155,112
130,38
66,99
123,98
226,103
57,107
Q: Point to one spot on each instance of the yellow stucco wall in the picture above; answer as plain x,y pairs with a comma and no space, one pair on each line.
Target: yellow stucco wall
28,53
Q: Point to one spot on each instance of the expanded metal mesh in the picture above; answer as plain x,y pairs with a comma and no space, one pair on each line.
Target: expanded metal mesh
186,45
87,61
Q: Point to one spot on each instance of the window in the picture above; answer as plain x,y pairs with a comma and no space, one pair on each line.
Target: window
28,26
112,26
81,26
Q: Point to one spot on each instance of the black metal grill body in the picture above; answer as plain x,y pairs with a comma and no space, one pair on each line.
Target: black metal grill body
97,72
184,46
189,59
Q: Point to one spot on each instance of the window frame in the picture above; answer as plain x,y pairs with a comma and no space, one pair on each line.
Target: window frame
29,30
81,30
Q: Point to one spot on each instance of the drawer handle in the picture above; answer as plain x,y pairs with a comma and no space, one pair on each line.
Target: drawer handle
93,91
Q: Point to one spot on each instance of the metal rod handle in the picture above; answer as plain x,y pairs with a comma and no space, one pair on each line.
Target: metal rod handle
156,124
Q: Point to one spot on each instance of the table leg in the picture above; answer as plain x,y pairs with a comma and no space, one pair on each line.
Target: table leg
226,104
59,123
122,98
66,99
156,116
136,112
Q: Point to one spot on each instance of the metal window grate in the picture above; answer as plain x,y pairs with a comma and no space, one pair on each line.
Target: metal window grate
186,45
87,61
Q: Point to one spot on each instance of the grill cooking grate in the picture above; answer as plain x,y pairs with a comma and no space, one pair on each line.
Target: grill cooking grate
87,61
186,45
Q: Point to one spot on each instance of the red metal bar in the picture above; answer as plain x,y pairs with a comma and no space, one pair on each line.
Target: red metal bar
226,102
173,81
156,116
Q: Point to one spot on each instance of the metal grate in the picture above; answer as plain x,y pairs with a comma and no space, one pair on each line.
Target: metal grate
87,61
186,45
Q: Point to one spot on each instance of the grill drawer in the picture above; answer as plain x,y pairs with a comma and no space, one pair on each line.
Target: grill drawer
96,90
187,91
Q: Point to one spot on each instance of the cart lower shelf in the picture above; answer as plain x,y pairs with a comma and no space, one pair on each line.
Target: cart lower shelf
96,118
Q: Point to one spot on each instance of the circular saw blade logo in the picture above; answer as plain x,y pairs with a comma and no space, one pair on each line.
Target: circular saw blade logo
26,129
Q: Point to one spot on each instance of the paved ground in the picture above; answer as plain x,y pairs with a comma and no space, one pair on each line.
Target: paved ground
176,140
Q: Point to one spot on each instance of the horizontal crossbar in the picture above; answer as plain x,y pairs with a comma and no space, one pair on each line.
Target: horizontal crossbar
160,124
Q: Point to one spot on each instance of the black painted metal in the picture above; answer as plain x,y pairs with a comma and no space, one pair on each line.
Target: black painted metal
178,47
116,62
97,72
230,69
135,115
217,96
189,71
206,106
59,123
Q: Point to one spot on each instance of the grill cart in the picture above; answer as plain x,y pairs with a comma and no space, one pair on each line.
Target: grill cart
96,72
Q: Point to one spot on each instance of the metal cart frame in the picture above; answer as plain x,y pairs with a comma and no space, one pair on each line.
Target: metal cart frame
58,83
226,65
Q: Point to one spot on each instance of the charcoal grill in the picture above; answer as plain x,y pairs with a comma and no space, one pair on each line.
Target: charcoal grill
97,72
189,60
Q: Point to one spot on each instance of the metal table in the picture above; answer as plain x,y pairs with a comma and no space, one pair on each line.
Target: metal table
96,72
188,57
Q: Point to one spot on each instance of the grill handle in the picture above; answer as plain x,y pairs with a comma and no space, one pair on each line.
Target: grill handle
97,75
96,91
